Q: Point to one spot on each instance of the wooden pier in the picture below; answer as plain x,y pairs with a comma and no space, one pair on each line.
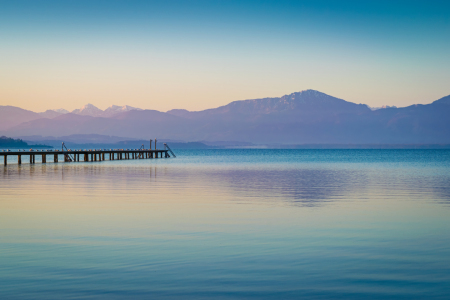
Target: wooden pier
90,155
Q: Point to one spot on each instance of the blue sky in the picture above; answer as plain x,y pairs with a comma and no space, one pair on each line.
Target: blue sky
201,54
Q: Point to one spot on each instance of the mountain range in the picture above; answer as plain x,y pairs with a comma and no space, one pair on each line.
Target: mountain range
11,116
306,117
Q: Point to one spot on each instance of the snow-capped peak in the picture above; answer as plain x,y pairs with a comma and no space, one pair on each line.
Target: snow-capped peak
117,108
61,110
89,110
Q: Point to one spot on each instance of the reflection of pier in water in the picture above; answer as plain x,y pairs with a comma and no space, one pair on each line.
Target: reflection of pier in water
87,155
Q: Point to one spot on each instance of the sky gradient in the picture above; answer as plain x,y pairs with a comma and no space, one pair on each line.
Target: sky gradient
203,54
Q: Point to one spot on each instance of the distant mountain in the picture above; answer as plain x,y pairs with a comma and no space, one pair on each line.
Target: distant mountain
77,138
50,114
382,107
93,111
307,117
61,111
89,110
11,116
305,101
114,110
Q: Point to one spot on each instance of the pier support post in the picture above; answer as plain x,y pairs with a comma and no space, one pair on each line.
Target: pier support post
19,159
5,159
55,158
44,158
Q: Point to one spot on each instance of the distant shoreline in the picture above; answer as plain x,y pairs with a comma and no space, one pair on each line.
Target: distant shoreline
358,146
10,143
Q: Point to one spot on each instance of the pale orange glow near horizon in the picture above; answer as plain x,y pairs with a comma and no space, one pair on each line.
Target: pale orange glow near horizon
189,93
154,55
61,79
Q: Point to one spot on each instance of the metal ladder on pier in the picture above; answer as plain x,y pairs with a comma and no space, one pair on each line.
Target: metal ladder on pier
165,145
69,157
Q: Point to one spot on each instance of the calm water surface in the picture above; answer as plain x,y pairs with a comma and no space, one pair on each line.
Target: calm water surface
229,224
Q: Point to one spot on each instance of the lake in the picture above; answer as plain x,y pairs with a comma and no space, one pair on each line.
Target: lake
229,224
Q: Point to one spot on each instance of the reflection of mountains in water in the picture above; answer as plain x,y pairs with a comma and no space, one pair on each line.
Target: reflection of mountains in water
299,186
304,187
316,187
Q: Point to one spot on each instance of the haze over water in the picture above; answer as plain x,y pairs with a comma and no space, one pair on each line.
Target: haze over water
229,224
